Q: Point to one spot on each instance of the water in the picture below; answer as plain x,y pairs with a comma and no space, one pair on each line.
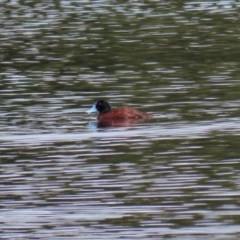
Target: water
173,177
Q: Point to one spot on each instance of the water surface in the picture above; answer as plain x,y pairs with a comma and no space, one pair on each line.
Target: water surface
173,177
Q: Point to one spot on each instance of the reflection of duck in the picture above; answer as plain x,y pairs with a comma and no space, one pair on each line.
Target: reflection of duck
123,116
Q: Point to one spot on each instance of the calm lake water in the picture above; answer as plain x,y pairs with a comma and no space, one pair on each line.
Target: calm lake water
174,177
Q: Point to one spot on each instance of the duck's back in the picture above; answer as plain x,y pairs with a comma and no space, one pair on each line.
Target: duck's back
123,113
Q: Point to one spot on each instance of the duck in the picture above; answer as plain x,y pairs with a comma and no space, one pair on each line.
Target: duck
123,116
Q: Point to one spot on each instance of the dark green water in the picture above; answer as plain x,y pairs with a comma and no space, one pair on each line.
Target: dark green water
174,177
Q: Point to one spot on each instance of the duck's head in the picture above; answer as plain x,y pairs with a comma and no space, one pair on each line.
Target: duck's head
101,106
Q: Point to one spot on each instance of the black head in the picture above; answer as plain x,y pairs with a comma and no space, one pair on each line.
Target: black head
103,106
